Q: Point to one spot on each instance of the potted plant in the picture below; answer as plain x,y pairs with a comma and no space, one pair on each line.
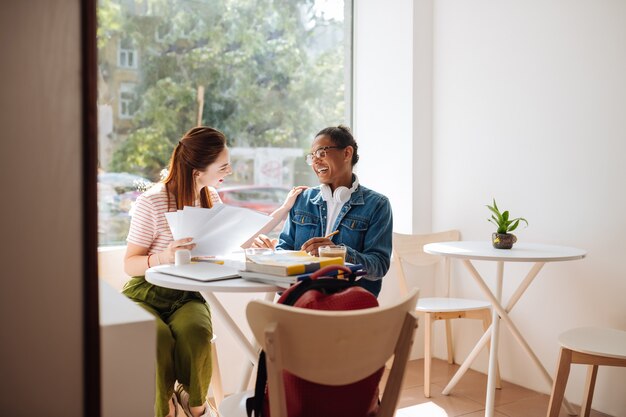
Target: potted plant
502,239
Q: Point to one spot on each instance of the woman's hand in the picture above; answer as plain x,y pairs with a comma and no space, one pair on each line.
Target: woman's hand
292,196
263,241
311,246
169,254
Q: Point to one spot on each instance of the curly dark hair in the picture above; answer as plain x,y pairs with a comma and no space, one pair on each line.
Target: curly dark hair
342,137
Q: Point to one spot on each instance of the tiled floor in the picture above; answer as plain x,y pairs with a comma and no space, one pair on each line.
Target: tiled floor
468,397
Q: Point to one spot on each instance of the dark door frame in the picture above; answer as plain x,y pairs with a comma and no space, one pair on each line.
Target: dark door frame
91,319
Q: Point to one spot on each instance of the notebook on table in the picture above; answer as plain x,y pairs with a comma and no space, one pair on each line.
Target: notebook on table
286,281
286,263
199,271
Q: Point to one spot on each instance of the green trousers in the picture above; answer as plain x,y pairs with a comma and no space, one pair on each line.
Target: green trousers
184,333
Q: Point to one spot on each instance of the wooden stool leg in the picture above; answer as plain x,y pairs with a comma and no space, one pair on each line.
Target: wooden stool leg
216,376
449,341
428,332
486,324
560,381
590,384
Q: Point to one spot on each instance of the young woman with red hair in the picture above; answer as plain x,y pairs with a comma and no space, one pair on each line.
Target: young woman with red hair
199,163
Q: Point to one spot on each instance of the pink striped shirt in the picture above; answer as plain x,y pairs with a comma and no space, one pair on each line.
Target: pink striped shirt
148,225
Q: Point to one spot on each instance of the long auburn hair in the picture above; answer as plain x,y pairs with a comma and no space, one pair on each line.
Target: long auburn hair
197,149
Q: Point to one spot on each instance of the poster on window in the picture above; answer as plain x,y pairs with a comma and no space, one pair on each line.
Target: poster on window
268,167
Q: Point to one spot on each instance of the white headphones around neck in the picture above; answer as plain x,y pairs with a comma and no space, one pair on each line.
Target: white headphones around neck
341,195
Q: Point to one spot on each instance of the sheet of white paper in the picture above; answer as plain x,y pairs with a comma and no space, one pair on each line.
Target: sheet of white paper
196,218
172,221
218,230
228,230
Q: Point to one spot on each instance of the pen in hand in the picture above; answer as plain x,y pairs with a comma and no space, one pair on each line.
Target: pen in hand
328,236
310,246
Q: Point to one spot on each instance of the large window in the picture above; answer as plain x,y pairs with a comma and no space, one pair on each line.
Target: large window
268,73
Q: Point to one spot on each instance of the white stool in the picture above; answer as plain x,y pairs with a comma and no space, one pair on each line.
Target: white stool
588,346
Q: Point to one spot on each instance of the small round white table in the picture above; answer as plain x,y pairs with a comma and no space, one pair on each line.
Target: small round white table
207,289
468,251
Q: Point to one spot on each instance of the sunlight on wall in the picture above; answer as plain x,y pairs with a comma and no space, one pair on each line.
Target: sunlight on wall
429,409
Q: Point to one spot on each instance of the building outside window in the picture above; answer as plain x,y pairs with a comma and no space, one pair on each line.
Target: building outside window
269,74
127,100
127,55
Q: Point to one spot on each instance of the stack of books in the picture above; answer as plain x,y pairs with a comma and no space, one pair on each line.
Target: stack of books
284,268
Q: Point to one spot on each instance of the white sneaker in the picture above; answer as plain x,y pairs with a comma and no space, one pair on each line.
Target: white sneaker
209,410
183,400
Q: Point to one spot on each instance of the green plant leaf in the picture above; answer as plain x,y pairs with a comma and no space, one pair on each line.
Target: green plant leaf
502,221
496,212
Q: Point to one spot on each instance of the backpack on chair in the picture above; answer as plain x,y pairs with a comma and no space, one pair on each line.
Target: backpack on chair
308,399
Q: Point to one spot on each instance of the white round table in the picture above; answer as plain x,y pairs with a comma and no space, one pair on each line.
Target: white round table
226,285
468,251
521,252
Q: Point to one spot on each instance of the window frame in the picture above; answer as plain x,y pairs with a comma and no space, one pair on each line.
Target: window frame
123,54
126,103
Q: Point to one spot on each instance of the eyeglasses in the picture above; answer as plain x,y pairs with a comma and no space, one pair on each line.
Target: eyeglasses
320,153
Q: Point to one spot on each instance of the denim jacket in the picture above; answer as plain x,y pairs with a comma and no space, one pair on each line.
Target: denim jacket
365,225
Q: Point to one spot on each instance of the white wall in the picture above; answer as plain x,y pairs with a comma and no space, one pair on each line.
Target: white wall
41,304
383,101
530,108
393,117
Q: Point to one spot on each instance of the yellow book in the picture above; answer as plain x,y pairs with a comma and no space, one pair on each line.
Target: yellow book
287,263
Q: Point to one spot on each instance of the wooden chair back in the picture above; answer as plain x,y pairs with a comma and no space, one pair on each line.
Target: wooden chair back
334,347
409,249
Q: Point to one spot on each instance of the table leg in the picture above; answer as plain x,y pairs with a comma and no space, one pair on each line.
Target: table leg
503,314
493,351
524,285
246,373
468,361
248,367
269,296
231,325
